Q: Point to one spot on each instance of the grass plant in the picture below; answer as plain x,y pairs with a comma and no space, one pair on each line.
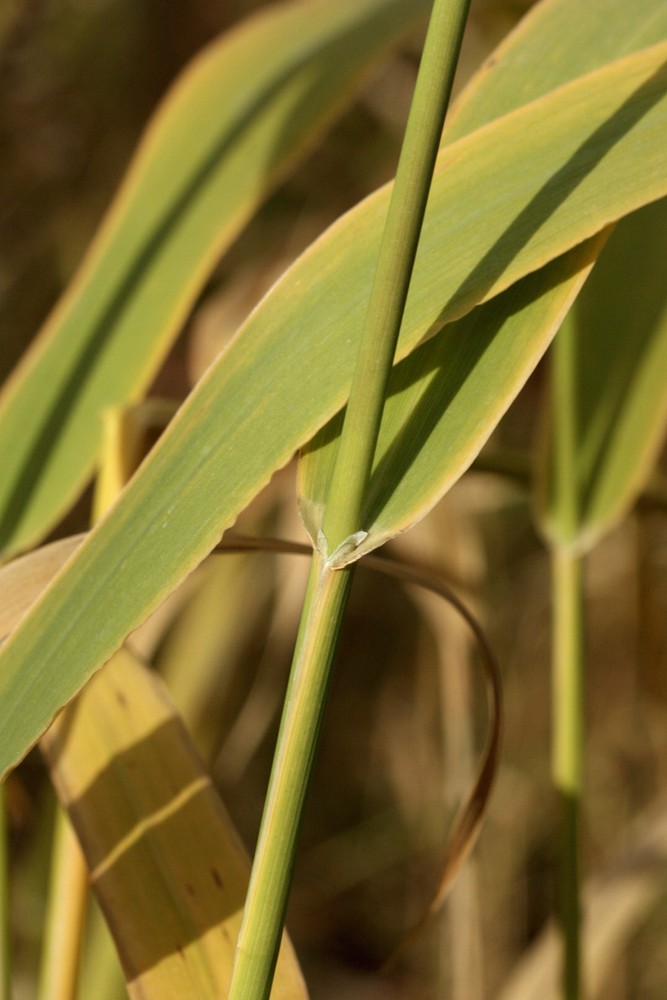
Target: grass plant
407,330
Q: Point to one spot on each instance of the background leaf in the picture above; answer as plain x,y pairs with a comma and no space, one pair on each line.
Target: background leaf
619,384
22,581
445,399
165,861
220,142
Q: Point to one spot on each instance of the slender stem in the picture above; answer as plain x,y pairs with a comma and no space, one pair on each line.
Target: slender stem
393,271
568,653
568,727
264,914
5,900
68,896
329,588
565,410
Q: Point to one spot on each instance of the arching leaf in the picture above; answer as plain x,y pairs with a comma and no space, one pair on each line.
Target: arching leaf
233,124
619,384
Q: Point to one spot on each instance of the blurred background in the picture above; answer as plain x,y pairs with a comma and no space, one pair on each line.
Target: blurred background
407,717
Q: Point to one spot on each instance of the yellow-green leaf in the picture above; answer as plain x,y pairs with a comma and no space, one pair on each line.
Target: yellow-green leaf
578,37
506,200
618,372
165,861
445,399
235,122
622,341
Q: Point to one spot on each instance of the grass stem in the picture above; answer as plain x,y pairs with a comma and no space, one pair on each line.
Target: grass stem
568,698
68,896
328,588
264,914
567,642
396,257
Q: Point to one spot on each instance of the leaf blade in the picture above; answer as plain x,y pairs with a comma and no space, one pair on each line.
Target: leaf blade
220,141
579,39
446,398
165,861
619,387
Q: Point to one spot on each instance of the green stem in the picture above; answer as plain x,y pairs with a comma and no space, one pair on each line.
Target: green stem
568,698
264,913
565,411
393,271
329,587
568,654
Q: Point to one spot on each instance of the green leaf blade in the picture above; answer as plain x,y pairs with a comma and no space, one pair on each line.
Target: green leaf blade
221,140
618,385
580,38
445,399
409,479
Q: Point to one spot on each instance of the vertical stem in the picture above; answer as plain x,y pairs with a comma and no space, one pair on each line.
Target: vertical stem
568,698
68,895
264,914
393,271
329,588
568,653
565,411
